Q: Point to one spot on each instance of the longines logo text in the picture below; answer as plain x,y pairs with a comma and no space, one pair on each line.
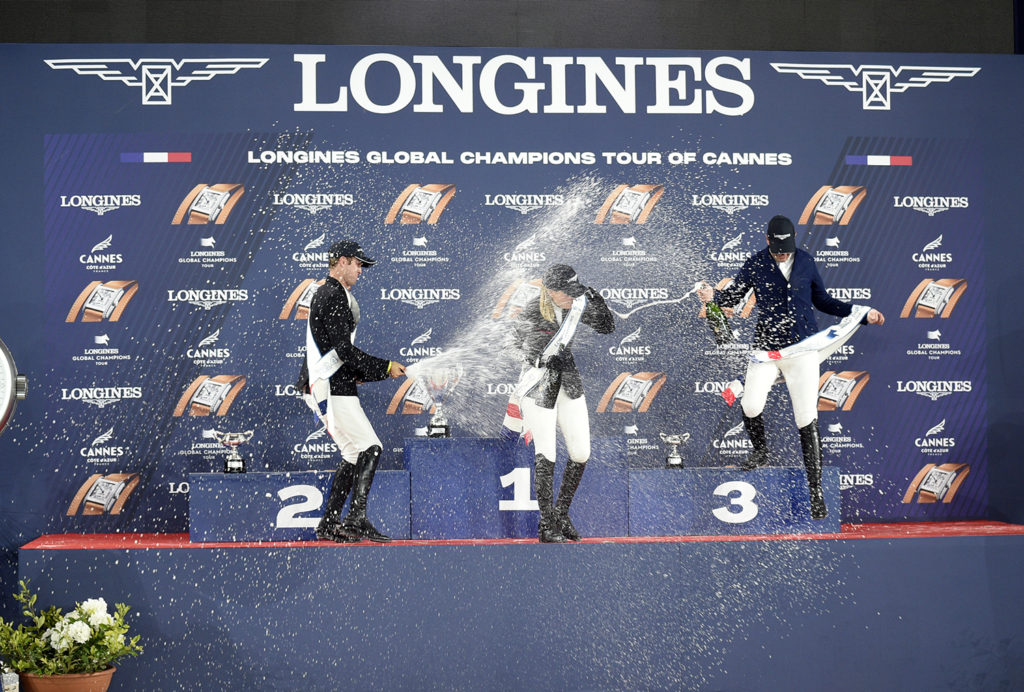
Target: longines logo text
538,86
930,205
100,396
313,202
100,204
848,294
634,296
934,389
420,297
523,203
729,203
207,298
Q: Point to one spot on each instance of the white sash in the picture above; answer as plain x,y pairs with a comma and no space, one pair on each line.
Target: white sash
825,342
531,376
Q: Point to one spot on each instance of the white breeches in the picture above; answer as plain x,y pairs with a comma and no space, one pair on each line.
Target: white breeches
801,375
570,415
348,426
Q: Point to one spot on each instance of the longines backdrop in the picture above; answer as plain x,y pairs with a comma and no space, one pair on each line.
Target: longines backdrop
168,210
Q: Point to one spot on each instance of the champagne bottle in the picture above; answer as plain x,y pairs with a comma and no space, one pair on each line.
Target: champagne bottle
718,323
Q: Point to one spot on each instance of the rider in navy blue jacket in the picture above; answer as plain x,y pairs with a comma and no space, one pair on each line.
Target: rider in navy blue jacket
785,307
787,288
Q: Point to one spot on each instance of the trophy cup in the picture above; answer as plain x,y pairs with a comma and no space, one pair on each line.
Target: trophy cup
674,460
440,384
233,462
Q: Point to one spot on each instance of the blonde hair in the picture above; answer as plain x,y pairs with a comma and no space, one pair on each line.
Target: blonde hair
547,306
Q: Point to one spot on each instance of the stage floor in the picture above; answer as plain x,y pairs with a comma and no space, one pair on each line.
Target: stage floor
144,541
868,607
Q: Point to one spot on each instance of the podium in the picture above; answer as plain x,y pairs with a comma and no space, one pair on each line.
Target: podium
724,501
231,507
485,488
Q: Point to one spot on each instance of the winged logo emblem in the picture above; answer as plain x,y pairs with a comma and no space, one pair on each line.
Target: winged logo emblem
156,76
875,83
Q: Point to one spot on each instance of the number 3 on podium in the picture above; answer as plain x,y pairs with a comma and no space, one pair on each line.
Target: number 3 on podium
743,499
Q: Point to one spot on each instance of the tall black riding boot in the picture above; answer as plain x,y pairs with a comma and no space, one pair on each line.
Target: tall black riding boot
810,441
755,431
566,491
356,525
329,528
547,529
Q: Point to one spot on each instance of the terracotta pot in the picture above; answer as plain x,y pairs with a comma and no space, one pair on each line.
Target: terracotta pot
72,682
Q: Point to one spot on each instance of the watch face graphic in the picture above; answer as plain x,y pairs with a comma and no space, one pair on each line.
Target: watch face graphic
839,391
629,204
934,298
209,396
833,205
936,483
103,494
421,203
412,397
208,203
102,301
631,392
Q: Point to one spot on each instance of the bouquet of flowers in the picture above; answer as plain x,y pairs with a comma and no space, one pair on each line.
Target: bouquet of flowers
86,640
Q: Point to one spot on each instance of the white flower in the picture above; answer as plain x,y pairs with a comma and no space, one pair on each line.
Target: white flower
80,632
98,619
93,605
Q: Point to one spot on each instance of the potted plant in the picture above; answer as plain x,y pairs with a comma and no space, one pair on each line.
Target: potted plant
74,651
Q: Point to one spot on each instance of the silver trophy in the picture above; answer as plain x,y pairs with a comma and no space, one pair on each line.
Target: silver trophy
440,383
674,460
233,462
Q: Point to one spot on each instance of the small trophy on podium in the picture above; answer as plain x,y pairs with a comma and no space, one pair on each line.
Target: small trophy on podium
440,383
233,462
674,460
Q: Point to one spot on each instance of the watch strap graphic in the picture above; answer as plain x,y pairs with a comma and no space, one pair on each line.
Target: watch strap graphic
628,204
947,291
231,385
125,289
299,301
650,383
831,205
848,384
103,494
403,399
515,298
936,483
228,195
421,203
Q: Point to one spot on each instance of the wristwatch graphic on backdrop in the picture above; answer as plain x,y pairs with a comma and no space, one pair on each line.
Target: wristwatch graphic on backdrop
421,203
300,299
630,204
104,494
208,203
934,298
102,300
936,483
742,309
629,392
411,397
839,391
831,205
515,298
209,396
13,386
